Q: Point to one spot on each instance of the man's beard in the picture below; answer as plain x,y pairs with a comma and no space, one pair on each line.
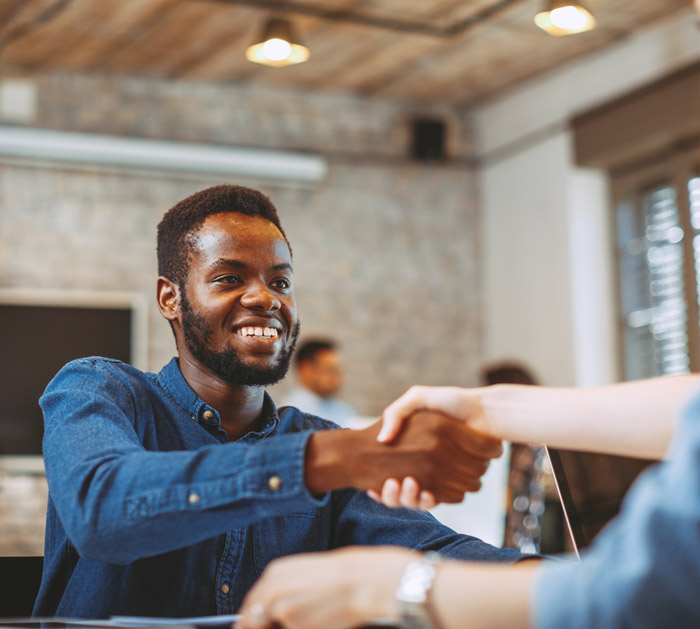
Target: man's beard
227,364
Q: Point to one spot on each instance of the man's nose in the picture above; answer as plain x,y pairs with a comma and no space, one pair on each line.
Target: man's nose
258,295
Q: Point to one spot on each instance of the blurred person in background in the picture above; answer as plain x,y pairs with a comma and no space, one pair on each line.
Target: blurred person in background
534,517
320,377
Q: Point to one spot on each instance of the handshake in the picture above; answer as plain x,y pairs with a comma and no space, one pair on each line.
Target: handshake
431,445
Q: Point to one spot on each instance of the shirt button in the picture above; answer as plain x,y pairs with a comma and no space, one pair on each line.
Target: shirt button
225,589
208,415
274,482
193,498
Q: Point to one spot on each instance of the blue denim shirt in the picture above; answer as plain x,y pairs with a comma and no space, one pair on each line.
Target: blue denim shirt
153,512
643,569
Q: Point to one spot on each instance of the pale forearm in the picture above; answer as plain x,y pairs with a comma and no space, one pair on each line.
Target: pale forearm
355,587
483,596
633,419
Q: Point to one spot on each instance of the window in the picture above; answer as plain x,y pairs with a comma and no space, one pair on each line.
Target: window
657,227
648,142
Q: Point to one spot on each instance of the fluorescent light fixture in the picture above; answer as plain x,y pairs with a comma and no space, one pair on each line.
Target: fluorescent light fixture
85,148
564,17
278,45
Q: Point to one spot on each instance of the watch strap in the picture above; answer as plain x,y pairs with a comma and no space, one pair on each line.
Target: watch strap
414,590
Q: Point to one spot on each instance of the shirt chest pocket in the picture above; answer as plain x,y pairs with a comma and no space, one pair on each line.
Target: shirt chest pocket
290,534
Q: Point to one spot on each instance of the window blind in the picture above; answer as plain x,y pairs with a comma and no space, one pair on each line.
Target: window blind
654,239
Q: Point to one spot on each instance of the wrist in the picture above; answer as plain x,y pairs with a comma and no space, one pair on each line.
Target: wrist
328,460
500,408
415,605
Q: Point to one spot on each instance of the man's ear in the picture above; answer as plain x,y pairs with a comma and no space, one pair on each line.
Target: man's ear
168,294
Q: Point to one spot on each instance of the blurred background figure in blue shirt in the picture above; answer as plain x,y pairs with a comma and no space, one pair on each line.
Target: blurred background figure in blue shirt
320,377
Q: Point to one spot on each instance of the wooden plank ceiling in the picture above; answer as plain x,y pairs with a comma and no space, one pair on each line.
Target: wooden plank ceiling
449,51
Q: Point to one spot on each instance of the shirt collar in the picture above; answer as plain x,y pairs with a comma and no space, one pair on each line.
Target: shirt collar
171,379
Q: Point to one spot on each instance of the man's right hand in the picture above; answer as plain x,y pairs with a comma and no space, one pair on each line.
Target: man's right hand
444,456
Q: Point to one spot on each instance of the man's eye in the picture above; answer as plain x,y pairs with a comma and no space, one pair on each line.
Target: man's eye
281,283
228,279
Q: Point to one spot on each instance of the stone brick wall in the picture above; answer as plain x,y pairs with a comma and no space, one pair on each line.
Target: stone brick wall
23,499
385,248
240,115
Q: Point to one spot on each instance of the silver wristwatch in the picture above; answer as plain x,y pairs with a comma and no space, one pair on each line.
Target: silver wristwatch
414,590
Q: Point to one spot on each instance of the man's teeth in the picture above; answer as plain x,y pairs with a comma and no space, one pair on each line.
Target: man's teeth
269,333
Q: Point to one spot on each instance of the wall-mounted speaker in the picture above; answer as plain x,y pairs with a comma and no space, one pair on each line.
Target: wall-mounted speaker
428,140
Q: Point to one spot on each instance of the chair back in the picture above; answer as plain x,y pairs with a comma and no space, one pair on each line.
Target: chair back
20,578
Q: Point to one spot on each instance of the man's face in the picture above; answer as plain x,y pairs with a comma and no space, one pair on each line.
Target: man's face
323,374
238,311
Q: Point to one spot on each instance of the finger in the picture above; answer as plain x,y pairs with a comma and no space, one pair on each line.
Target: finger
253,616
466,476
453,489
468,467
449,400
396,413
410,493
390,492
449,496
468,485
426,500
374,495
399,410
474,443
258,617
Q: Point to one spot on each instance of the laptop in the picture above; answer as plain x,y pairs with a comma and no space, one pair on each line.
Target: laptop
591,488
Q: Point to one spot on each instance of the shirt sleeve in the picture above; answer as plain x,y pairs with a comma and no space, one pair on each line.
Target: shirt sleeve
362,521
642,570
119,502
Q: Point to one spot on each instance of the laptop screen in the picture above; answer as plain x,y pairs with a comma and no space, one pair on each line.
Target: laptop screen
591,488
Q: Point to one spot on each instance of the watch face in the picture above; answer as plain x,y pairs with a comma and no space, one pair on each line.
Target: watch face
416,582
415,616
413,592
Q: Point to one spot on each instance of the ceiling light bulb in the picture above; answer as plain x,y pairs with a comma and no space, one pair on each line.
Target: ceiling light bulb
568,18
278,45
276,49
563,17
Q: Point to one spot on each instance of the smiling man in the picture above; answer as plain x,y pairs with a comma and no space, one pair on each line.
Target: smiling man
169,493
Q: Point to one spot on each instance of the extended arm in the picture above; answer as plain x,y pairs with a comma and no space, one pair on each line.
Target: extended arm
446,457
630,419
633,418
642,570
125,490
355,587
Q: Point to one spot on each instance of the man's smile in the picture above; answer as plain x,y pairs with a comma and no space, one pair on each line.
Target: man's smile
258,333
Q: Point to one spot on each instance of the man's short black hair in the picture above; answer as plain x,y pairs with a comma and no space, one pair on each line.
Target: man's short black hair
308,349
181,222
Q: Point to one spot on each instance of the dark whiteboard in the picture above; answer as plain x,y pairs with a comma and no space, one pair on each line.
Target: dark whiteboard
35,342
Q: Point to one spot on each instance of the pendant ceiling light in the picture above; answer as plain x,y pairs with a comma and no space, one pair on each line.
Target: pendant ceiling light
278,46
563,17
